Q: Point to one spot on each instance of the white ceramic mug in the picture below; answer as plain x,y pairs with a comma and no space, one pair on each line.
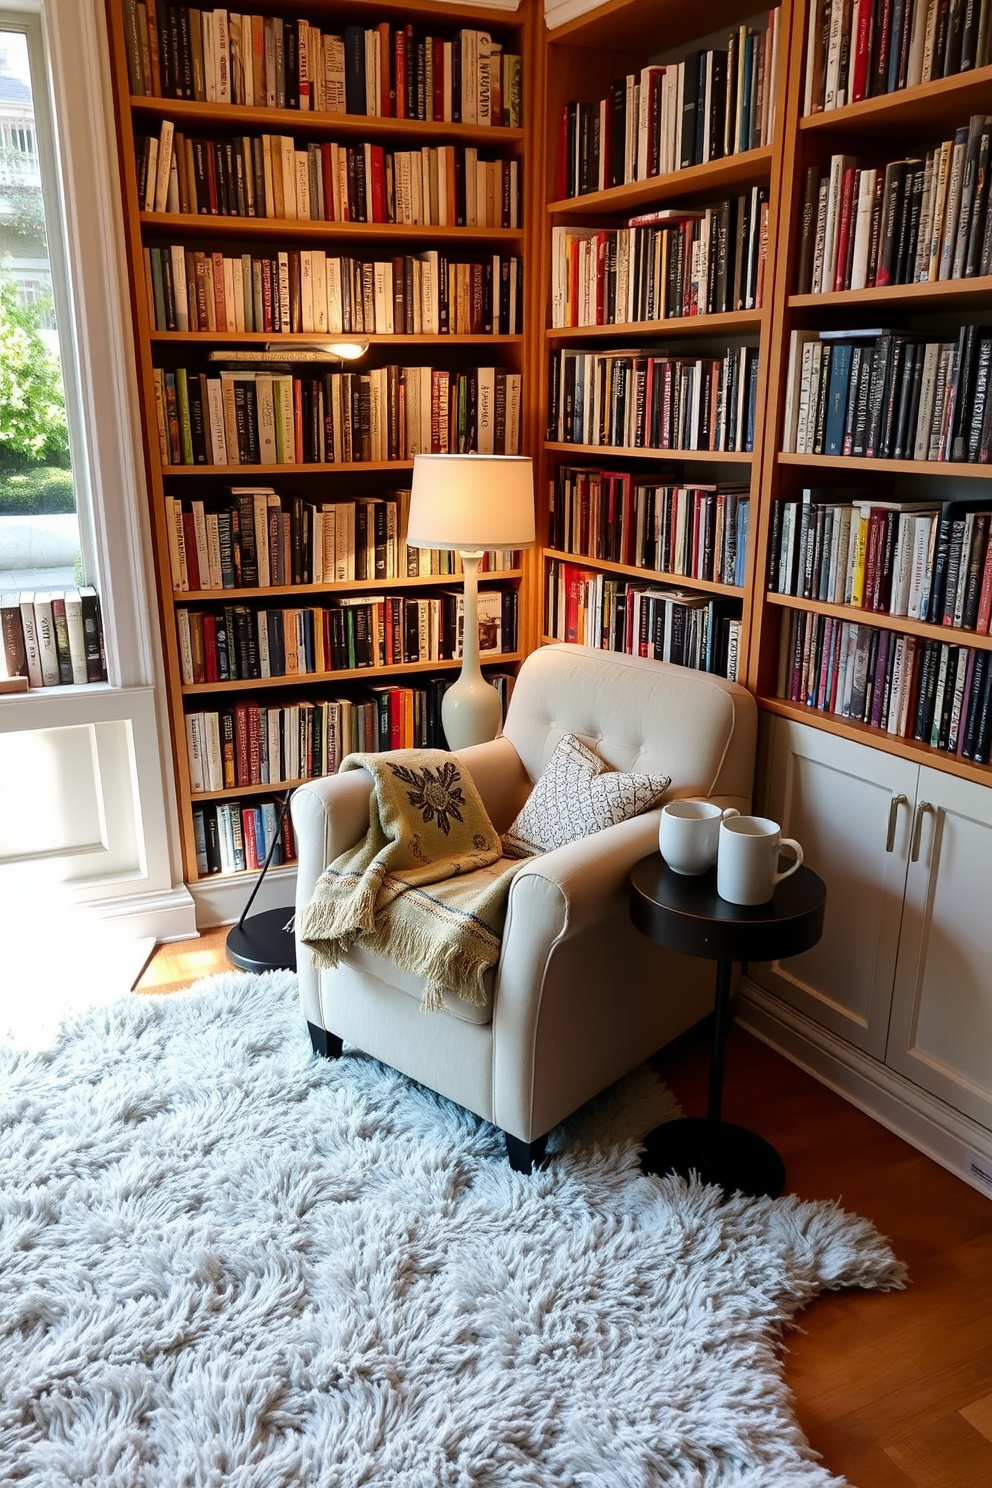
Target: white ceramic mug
689,834
747,861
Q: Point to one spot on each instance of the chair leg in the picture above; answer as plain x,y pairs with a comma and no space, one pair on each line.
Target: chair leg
326,1044
523,1155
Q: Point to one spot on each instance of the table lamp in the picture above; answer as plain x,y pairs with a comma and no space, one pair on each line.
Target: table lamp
470,503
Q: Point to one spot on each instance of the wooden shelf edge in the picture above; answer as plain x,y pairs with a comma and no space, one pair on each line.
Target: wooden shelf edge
952,634
222,225
651,575
357,674
281,120
891,467
228,472
903,103
748,165
895,294
702,325
334,586
289,339
864,733
626,452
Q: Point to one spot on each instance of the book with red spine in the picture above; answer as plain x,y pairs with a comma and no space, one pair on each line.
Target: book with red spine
985,597
248,832
399,71
387,95
861,32
847,190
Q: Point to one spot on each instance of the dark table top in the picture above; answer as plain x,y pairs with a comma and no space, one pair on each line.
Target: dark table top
687,914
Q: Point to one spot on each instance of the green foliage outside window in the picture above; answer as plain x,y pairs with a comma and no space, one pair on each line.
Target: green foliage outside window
34,442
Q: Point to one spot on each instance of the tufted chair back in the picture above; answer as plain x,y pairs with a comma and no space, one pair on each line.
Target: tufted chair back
636,714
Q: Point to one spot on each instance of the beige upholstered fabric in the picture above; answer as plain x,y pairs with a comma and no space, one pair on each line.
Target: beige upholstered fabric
579,997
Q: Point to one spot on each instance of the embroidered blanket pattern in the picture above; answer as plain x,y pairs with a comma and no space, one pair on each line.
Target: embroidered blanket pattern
427,885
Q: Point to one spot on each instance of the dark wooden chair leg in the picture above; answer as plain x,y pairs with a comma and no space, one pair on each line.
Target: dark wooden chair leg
328,1045
523,1155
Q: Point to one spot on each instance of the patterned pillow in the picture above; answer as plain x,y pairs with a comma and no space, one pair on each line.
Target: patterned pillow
576,795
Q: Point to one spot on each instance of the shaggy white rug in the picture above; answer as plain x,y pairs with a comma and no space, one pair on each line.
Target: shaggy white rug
225,1261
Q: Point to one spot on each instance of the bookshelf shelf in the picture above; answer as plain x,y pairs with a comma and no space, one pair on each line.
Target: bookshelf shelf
953,635
745,169
935,105
632,25
235,117
628,452
680,325
926,296
863,733
945,468
347,586
286,230
352,674
649,575
279,472
310,338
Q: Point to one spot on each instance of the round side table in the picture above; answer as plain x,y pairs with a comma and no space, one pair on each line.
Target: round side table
687,914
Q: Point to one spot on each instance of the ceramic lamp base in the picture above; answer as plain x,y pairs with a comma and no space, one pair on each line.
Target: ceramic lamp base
470,711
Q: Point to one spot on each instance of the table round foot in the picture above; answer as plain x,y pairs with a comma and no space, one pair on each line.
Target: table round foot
263,942
721,1153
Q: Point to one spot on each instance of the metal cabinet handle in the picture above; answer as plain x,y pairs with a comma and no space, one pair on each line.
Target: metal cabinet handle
921,811
894,804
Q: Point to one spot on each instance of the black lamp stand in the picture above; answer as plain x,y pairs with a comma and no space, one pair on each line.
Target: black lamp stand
266,942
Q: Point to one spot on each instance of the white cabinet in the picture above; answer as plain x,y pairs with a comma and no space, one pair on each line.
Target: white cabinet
903,973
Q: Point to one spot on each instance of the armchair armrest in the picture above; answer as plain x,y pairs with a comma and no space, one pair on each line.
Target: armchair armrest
330,815
591,872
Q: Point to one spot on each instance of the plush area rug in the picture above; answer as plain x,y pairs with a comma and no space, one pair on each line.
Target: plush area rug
223,1261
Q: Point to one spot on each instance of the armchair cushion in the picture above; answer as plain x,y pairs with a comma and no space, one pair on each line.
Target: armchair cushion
577,794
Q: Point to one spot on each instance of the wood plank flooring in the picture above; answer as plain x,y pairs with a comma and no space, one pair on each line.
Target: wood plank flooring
893,1390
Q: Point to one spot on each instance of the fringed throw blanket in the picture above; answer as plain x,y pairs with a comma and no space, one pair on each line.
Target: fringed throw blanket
404,888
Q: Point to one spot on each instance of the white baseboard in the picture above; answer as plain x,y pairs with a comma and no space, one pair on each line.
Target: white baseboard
219,901
955,1141
167,915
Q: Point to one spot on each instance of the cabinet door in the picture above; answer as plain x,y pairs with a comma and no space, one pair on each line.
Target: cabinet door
850,808
940,1032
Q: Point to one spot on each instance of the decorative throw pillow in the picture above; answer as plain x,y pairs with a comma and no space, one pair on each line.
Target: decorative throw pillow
578,794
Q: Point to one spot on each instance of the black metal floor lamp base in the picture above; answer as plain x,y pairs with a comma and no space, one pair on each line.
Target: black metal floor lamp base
263,943
719,1152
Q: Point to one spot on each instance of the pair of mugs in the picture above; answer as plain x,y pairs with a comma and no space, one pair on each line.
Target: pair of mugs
693,835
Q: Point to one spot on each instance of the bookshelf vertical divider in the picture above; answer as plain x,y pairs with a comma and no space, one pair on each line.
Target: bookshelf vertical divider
137,115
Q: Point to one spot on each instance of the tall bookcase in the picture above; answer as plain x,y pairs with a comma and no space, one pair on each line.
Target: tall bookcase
236,235
582,58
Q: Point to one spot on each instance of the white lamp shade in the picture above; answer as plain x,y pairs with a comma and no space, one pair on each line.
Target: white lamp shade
472,502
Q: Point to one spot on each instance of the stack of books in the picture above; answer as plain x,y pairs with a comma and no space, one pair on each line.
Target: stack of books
935,692
242,643
53,638
308,290
882,394
650,400
715,102
870,47
270,176
220,56
908,222
914,558
662,264
594,609
231,836
693,530
392,413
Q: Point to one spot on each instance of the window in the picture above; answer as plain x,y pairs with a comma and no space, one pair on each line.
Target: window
39,527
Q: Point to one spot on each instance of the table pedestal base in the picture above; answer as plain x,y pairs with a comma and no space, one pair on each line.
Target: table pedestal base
719,1152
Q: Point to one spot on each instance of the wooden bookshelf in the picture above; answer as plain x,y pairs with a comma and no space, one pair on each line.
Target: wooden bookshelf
321,481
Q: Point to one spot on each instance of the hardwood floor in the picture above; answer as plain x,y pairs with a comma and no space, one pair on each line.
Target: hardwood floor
894,1390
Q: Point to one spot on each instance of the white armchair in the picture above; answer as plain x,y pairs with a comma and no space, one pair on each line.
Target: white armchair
578,997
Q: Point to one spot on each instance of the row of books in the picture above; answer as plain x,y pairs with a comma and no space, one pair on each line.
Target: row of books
911,558
232,836
54,638
240,642
594,609
859,49
258,743
310,290
221,56
695,531
628,399
259,539
662,264
935,692
890,395
715,102
270,176
913,221
391,413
